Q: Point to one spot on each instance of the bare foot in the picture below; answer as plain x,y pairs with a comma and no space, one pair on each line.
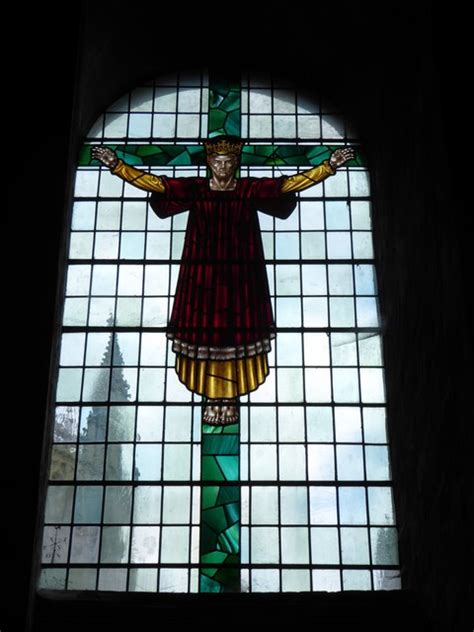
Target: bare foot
221,412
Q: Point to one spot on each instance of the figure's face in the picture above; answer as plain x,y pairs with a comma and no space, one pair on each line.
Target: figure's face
223,165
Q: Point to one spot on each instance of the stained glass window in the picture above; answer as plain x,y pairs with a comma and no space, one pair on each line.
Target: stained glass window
144,496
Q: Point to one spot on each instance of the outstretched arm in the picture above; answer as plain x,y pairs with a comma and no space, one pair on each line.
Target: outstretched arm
309,178
130,174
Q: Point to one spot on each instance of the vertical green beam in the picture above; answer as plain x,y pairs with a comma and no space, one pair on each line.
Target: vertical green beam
220,445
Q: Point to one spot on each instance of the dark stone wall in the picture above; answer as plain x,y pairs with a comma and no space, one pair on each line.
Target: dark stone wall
391,69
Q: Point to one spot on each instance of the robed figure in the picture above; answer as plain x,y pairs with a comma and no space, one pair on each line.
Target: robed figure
222,320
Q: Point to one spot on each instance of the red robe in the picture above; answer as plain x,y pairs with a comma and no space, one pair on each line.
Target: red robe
222,295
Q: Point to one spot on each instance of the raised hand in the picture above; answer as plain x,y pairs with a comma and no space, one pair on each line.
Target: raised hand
106,156
341,156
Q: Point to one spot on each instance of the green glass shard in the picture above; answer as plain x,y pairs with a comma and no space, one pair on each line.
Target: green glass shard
210,470
230,466
209,496
224,444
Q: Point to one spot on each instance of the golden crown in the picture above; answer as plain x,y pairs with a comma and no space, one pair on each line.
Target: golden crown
224,145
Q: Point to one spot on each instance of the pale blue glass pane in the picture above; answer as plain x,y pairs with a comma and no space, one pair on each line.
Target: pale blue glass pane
149,423
316,349
372,385
132,246
288,312
271,271
264,505
291,424
387,580
177,462
367,312
188,125
356,580
66,423
180,221
287,279
63,460
108,216
110,185
294,545
121,423
287,246
175,390
266,392
151,385
104,279
156,280
178,244
377,463
295,580
381,509
126,349
128,312
284,126
260,126
59,504
309,126
134,215
370,350
147,505
90,464
82,579
314,279
332,127
143,579
130,280
173,580
363,247
72,349
260,101
164,125
141,100
352,505
326,581
106,245
78,280
315,312
340,279
264,545
96,385
178,423
321,462
88,506
288,349
113,579
119,462
294,505
345,385
93,423
265,580
155,312
80,246
97,344
360,212
174,545
267,240
339,245
165,100
189,100
118,504
86,183
263,462
336,185
176,505
292,462
337,215
312,214
324,545
148,462
365,279
263,424
342,312
145,544
153,349
115,541
384,545
354,545
85,545
343,348
348,424
323,505
359,183
139,125
83,216
319,423
318,385
116,124
101,311
313,245
75,312
350,464
283,101
69,385
375,425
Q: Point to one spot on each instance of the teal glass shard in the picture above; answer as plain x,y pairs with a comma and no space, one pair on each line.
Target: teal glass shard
224,107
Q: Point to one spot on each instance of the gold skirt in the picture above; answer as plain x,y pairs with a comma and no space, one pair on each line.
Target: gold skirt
222,378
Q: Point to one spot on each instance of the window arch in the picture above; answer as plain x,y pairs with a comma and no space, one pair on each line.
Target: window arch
304,502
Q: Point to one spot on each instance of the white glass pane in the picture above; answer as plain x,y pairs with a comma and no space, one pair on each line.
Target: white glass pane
264,505
321,462
291,423
176,504
264,543
314,279
354,545
147,505
324,545
319,423
294,545
294,505
352,505
315,312
263,462
348,424
350,463
316,349
174,545
381,508
318,385
292,462
323,505
145,542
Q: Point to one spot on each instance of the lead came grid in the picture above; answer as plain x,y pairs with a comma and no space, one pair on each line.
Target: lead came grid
124,497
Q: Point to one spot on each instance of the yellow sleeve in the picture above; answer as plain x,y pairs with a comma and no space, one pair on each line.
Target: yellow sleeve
307,179
138,178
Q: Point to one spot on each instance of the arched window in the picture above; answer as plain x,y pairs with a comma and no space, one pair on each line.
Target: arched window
296,496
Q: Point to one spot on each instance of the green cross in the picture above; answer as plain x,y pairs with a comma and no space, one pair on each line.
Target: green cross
220,448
